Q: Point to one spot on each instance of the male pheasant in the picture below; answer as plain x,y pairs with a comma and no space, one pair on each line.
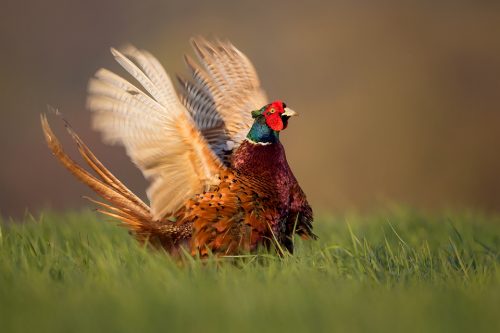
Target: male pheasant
220,181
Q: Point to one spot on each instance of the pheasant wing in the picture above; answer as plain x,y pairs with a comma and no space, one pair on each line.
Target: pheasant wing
156,129
223,91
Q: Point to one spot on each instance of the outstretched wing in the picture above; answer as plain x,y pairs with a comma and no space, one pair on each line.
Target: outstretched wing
222,93
155,128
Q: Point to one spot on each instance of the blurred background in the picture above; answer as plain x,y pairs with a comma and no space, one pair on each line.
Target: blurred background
398,102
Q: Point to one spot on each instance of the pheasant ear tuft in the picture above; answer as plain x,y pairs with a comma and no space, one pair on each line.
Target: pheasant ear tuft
256,113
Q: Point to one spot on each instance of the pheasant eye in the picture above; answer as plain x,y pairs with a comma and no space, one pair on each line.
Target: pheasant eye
272,110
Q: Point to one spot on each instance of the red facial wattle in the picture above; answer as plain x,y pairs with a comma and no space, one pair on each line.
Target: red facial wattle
273,116
274,121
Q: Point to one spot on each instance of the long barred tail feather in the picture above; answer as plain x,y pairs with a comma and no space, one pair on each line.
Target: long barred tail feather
121,204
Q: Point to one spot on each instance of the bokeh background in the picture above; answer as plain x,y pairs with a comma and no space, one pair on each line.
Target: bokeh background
399,101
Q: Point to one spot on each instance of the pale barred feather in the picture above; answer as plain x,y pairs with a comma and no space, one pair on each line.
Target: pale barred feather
133,98
229,81
202,79
160,94
208,120
156,130
153,69
230,70
205,114
199,97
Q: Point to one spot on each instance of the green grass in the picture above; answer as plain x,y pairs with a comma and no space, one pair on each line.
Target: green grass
394,271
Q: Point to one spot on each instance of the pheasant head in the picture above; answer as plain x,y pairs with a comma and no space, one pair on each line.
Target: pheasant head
269,121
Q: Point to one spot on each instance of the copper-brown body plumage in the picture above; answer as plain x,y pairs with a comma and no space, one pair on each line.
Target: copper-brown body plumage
212,190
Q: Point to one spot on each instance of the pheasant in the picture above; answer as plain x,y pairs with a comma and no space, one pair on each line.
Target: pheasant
219,179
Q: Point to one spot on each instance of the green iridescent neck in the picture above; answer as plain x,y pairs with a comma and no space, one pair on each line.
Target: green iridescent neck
261,133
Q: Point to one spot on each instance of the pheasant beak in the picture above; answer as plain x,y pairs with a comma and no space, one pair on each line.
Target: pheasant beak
289,113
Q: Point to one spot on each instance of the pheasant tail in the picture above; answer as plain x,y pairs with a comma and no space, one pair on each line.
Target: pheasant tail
120,203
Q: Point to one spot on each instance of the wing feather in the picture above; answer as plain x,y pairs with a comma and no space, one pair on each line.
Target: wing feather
155,128
225,84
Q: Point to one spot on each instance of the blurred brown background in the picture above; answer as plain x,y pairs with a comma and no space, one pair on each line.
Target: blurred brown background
398,102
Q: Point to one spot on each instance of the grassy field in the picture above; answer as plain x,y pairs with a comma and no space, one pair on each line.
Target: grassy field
394,271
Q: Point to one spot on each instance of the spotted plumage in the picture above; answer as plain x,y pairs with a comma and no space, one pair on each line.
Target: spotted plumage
220,181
